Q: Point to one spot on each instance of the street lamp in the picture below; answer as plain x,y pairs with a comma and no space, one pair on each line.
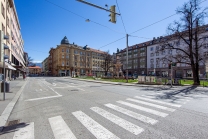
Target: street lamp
4,58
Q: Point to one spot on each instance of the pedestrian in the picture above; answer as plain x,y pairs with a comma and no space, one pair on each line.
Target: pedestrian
23,76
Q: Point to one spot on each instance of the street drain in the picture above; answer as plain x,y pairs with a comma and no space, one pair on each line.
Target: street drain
14,122
74,90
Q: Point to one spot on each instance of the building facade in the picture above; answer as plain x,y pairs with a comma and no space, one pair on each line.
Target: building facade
36,70
10,27
148,59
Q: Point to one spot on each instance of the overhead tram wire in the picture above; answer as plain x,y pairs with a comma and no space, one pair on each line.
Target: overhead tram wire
83,17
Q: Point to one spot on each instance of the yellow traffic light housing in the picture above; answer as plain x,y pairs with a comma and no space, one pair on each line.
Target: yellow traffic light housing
113,14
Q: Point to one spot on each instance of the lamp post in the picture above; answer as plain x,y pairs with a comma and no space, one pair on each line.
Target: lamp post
5,57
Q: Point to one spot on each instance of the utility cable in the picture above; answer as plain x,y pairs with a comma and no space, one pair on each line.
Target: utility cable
83,17
121,16
146,26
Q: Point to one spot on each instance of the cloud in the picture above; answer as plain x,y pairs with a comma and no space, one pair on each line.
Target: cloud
37,61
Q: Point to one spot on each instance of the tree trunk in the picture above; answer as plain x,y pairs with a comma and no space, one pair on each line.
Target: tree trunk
195,74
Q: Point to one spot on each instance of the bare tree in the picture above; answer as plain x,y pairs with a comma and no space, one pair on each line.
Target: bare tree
107,63
30,62
185,37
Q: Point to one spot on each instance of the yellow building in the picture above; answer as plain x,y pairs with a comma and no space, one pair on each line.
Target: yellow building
70,60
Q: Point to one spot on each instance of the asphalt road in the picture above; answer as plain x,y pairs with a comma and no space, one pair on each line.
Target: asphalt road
54,107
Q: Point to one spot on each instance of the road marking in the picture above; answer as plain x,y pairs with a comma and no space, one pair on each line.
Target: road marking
60,128
119,121
43,98
95,128
24,131
157,101
151,104
144,109
132,114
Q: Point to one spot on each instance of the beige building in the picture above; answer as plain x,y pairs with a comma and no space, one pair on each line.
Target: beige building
73,60
69,60
98,58
10,27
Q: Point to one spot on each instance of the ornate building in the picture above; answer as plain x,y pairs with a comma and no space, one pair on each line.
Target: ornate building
69,60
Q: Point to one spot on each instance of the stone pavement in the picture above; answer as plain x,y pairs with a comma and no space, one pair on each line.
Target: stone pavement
11,98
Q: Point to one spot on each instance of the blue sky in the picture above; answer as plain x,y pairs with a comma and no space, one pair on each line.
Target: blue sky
43,25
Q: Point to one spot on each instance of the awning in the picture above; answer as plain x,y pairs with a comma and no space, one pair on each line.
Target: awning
20,68
7,66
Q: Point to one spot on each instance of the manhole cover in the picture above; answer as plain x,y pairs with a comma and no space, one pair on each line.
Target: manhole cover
14,122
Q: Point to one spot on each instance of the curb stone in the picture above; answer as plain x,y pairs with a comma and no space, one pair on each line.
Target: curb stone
7,111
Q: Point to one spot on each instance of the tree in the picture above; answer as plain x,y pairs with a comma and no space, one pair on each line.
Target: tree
107,63
30,62
187,33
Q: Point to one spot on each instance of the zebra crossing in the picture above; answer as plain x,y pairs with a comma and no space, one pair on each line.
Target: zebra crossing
62,130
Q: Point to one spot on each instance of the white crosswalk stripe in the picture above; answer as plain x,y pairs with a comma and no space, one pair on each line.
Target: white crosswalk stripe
60,128
119,121
132,114
95,128
144,109
24,131
157,101
152,105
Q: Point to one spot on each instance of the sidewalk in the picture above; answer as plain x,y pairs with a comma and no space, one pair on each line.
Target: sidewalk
115,83
6,106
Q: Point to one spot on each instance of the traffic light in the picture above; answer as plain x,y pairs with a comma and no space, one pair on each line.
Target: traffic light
113,14
173,64
169,66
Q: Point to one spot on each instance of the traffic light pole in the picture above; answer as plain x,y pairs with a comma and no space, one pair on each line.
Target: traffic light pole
171,72
127,63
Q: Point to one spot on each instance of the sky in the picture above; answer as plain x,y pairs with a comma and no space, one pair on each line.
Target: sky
44,23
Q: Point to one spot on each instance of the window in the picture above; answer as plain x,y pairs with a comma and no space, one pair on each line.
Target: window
142,54
142,60
152,65
75,52
67,50
157,60
157,47
164,65
170,51
157,66
62,63
2,10
177,51
151,60
7,21
62,50
3,28
206,54
205,45
157,53
67,63
67,56
163,52
177,43
152,54
152,48
62,55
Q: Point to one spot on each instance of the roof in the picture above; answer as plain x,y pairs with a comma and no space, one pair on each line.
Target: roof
97,51
36,67
65,40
